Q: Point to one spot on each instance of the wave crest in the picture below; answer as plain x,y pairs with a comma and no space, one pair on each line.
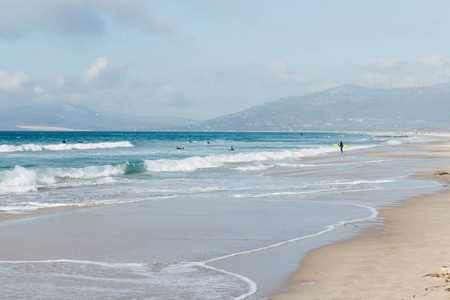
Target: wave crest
216,161
22,180
60,147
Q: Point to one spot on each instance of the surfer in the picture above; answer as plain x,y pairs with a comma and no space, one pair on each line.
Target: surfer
341,145
231,149
63,141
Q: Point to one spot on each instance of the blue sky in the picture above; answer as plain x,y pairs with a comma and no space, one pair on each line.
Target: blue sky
207,58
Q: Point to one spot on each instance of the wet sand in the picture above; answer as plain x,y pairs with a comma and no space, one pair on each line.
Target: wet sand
406,257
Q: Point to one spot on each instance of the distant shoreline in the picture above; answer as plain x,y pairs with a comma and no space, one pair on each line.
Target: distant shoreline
397,133
48,128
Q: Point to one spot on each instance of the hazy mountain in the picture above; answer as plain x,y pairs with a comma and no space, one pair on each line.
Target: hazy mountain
346,108
82,118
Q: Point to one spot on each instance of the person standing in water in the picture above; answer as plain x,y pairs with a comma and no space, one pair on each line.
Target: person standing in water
341,145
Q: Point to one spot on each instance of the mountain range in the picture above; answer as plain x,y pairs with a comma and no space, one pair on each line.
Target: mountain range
345,108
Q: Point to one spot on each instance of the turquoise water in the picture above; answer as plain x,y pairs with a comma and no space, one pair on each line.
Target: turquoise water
36,167
207,203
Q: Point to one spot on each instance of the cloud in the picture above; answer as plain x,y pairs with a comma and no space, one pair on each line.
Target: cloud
281,72
38,89
104,83
103,73
16,88
320,86
94,71
422,71
12,80
376,78
168,95
21,17
397,64
60,80
410,81
384,64
216,3
435,62
135,13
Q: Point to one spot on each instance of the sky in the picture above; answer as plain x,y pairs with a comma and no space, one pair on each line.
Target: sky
202,59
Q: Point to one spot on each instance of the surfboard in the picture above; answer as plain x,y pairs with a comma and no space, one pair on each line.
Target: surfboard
345,146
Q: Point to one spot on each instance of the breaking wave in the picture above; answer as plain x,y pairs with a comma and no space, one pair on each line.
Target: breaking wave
216,161
22,179
63,146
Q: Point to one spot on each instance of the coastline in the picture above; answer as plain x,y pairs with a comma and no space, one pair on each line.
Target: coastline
404,257
58,217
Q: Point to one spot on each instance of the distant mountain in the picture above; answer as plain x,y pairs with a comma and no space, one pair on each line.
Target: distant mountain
82,118
345,108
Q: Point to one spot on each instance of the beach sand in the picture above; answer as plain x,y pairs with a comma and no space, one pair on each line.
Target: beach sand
406,257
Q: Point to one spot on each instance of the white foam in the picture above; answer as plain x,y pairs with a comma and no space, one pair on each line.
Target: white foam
275,194
394,142
329,228
63,146
22,180
344,164
88,279
353,182
413,139
217,161
28,206
255,167
18,180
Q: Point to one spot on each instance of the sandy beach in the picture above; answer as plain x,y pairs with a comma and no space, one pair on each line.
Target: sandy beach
405,257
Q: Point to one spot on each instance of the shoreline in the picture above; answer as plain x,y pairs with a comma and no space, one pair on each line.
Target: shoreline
332,239
401,258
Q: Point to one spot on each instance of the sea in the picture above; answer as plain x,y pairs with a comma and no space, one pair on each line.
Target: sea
208,203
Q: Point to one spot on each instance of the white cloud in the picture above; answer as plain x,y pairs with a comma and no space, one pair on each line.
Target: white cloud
384,64
168,95
281,72
376,78
20,17
60,80
435,62
103,72
12,80
441,76
216,3
38,89
94,71
405,73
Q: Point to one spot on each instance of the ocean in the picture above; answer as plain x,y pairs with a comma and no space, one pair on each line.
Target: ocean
202,203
